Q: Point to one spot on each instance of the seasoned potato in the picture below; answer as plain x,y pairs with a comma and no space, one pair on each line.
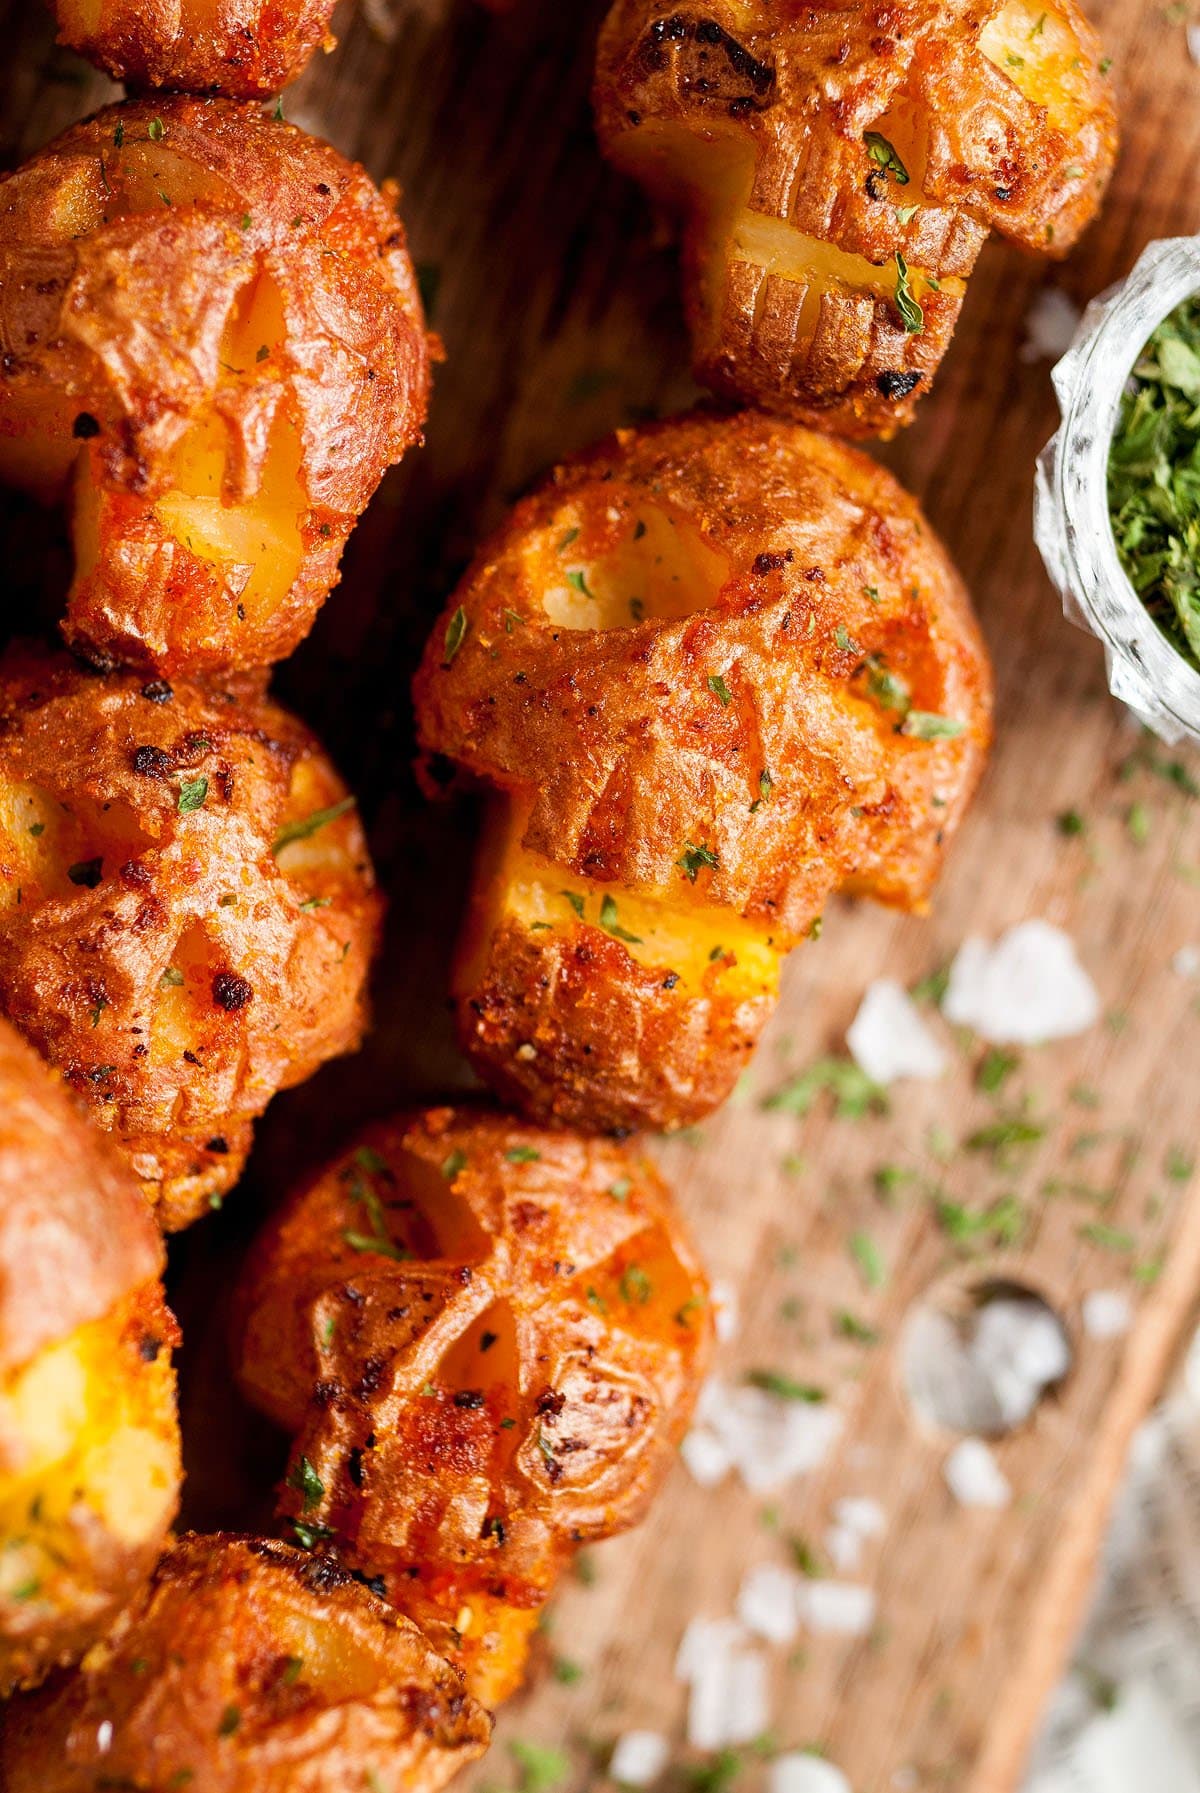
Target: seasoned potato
487,1341
245,48
248,1667
189,909
836,169
89,1444
213,348
714,671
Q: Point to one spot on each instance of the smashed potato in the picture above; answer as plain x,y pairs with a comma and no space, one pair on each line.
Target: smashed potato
837,167
248,1667
487,1340
213,348
714,671
243,48
189,909
89,1442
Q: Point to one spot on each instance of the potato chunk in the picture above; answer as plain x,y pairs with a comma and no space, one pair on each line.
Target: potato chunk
714,671
487,1340
243,48
89,1443
189,910
215,349
836,170
248,1667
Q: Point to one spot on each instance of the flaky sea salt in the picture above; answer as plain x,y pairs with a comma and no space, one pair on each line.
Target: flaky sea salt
766,1602
767,1439
1107,1313
705,1457
639,1758
836,1608
888,1038
1186,962
974,1477
799,1772
725,1311
1027,988
1050,325
727,1682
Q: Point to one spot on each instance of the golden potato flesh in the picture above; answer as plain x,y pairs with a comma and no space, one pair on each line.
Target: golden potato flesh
89,1443
189,909
836,168
487,1340
244,48
214,348
248,1667
714,671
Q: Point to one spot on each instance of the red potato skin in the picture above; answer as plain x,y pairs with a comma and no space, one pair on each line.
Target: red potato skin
793,88
112,341
176,1061
77,1243
624,752
201,1683
423,1487
244,49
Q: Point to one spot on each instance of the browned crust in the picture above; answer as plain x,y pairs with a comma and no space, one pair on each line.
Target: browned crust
241,48
575,1032
75,1233
618,737
197,1678
796,87
353,1350
124,324
87,971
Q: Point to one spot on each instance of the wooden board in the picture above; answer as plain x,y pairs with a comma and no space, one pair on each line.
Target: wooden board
559,308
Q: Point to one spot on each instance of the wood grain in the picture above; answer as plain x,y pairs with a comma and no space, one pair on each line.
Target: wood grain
558,304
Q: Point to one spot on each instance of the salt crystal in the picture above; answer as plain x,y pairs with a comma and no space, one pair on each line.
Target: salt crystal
857,1514
1107,1313
798,1772
1021,1349
768,1440
727,1702
843,1547
766,1602
1050,325
1186,962
1193,42
974,1477
104,1736
1139,1744
639,1758
705,1457
836,1608
1027,988
888,1039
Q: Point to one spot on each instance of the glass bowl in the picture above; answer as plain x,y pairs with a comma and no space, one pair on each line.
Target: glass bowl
1071,518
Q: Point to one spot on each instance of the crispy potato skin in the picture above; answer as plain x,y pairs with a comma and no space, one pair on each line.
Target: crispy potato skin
175,968
749,121
215,347
89,1441
245,49
735,762
248,1667
504,1380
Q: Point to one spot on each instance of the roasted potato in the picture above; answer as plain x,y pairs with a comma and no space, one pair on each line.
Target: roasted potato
244,48
213,347
89,1443
714,671
190,909
487,1341
248,1667
836,168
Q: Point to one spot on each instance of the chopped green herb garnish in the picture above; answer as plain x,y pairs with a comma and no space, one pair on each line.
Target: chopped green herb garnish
231,1718
849,1326
693,857
884,156
576,901
911,314
578,581
869,1258
456,634
786,1388
307,826
636,1286
307,1483
453,1163
608,921
192,794
720,690
154,130
924,725
522,1155
540,1768
854,1093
